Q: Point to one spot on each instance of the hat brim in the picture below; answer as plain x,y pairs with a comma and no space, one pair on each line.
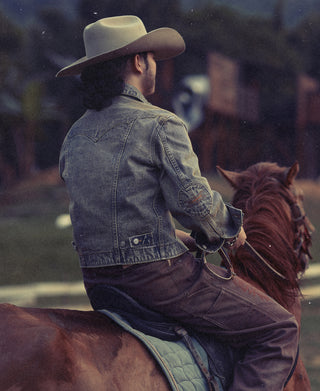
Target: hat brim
164,42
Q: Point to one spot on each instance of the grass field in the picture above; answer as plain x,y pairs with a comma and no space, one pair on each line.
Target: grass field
33,249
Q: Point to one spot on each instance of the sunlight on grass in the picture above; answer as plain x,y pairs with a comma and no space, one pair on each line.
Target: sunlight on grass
34,249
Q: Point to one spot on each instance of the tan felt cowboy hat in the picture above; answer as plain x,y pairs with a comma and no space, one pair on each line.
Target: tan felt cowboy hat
118,36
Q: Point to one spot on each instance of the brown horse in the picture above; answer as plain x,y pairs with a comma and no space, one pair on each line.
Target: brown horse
278,229
65,350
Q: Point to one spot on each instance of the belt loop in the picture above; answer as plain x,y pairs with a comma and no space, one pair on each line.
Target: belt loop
169,262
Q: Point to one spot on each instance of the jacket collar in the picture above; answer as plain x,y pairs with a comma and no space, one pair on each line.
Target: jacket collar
133,92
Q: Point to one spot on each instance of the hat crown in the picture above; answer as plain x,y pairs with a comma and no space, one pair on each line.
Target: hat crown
108,34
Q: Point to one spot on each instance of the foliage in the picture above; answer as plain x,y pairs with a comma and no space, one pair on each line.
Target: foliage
243,38
11,45
160,13
305,40
37,107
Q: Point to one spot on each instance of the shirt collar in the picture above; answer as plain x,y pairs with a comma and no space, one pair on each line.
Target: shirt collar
133,92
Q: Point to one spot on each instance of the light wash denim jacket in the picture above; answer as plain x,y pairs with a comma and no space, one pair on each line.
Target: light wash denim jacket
128,169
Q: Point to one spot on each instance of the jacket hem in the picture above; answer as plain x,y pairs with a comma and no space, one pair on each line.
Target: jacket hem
132,256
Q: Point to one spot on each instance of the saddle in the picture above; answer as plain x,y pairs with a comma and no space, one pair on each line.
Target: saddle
221,358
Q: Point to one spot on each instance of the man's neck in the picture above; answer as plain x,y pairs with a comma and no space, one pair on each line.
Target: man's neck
134,82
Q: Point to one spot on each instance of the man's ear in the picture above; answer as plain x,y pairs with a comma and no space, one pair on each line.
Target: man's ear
138,63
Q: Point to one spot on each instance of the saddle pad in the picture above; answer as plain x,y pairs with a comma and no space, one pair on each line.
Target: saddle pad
174,358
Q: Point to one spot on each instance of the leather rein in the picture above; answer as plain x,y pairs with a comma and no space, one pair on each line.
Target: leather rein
302,241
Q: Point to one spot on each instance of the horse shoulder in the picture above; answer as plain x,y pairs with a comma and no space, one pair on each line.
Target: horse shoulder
300,380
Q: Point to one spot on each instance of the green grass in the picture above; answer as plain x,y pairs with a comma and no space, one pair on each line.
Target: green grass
313,212
32,248
310,343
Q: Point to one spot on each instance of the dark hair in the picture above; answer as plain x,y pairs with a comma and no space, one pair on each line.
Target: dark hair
103,81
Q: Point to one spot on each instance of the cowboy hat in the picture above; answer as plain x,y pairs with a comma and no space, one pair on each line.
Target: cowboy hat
119,36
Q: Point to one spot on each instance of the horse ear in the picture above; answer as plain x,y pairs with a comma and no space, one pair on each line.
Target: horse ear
291,174
231,176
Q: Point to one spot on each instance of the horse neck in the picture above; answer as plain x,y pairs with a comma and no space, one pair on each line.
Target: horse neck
270,231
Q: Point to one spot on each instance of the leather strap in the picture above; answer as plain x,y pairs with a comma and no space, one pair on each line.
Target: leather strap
211,381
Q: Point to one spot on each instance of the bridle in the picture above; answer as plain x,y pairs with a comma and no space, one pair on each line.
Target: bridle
302,232
303,229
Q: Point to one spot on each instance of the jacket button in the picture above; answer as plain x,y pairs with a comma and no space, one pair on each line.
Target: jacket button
135,241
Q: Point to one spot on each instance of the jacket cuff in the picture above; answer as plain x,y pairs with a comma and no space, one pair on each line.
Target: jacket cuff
211,239
236,216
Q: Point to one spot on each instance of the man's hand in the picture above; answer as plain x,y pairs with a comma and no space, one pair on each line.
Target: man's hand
190,242
237,241
240,239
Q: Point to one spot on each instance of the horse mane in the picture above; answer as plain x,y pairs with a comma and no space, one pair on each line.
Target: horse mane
265,200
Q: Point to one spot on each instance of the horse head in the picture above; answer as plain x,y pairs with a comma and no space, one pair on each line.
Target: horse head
276,226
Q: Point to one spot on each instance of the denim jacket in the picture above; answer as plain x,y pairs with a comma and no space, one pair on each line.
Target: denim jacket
129,169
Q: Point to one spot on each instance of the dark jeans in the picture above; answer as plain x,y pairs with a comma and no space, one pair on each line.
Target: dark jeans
196,294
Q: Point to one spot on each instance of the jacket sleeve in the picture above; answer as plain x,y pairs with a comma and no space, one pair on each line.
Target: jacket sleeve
188,194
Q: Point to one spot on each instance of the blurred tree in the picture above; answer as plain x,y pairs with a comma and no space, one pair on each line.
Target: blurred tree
11,75
31,110
243,38
54,42
37,107
247,40
278,15
33,104
304,39
154,14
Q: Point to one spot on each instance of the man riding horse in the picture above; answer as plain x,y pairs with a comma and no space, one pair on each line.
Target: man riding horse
129,167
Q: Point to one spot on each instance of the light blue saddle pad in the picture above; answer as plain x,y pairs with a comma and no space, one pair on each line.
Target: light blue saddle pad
174,358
